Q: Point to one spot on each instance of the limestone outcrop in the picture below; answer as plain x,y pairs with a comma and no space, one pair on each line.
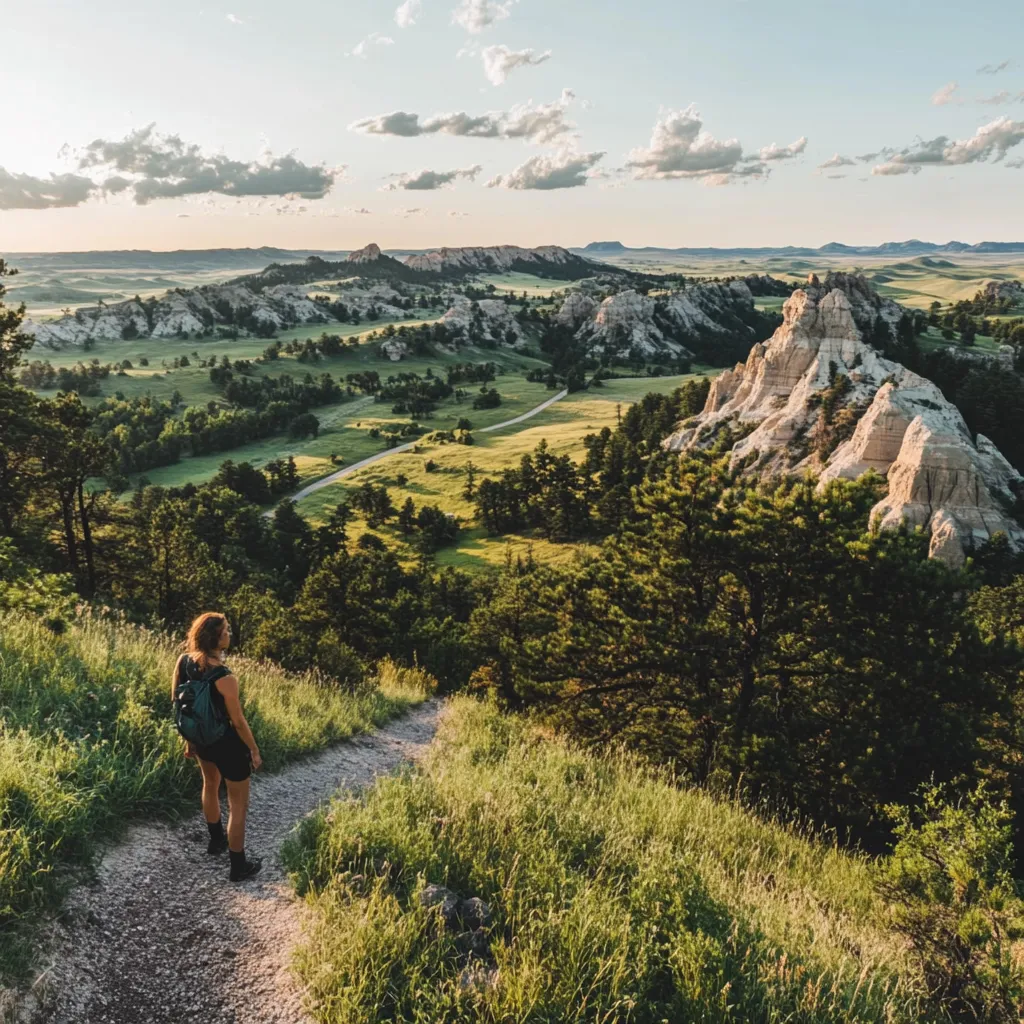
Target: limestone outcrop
817,397
232,306
484,320
664,324
368,254
545,259
576,310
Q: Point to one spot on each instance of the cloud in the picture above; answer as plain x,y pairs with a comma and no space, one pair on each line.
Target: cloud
27,192
941,97
541,124
457,213
835,160
363,47
409,211
407,13
994,69
1016,164
234,19
475,15
1001,99
680,148
565,170
774,152
361,210
500,61
164,166
990,143
428,181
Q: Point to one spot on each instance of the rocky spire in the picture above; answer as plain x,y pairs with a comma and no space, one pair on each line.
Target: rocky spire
817,398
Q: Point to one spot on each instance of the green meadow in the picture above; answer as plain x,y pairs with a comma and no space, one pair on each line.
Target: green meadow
563,426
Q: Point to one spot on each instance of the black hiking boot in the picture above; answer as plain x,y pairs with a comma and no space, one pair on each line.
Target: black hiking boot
242,868
218,841
217,845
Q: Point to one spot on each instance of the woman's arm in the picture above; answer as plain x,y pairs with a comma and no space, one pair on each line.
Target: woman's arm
228,687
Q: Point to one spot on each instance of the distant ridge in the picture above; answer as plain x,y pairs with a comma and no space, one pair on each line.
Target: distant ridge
912,247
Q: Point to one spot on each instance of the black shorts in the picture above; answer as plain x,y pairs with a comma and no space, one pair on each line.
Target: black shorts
230,755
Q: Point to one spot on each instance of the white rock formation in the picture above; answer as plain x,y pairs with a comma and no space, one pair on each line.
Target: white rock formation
368,254
664,324
394,349
897,423
493,258
193,311
492,317
576,310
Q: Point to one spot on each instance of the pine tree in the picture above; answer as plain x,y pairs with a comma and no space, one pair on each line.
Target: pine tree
469,489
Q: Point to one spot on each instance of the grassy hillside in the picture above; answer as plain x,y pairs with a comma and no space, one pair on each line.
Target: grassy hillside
87,745
615,895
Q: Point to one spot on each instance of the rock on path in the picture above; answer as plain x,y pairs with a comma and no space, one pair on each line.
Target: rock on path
162,937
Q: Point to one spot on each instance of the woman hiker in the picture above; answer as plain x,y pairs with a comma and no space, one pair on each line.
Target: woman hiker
209,716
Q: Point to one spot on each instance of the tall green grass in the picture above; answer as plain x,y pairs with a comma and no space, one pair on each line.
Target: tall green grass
617,896
87,744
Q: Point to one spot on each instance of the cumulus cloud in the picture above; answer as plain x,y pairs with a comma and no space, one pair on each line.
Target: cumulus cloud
500,61
990,143
681,148
457,213
475,15
945,95
27,192
234,19
428,181
407,13
773,152
363,47
164,166
543,123
544,173
409,211
835,160
994,69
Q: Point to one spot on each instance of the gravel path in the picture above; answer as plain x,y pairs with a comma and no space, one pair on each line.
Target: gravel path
340,474
162,937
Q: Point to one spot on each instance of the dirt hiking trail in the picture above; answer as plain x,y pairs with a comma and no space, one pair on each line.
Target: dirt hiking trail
162,937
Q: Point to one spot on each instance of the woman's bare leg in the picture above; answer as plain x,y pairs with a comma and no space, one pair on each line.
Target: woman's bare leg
211,790
238,807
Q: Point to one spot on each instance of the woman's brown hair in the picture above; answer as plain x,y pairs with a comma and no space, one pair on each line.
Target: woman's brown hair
203,640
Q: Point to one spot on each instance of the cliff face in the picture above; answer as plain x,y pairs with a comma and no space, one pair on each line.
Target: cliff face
487,320
546,259
816,397
203,309
666,324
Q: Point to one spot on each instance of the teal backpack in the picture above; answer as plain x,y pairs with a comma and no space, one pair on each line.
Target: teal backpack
196,713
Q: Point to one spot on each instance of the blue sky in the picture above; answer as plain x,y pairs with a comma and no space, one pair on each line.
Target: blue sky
238,80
